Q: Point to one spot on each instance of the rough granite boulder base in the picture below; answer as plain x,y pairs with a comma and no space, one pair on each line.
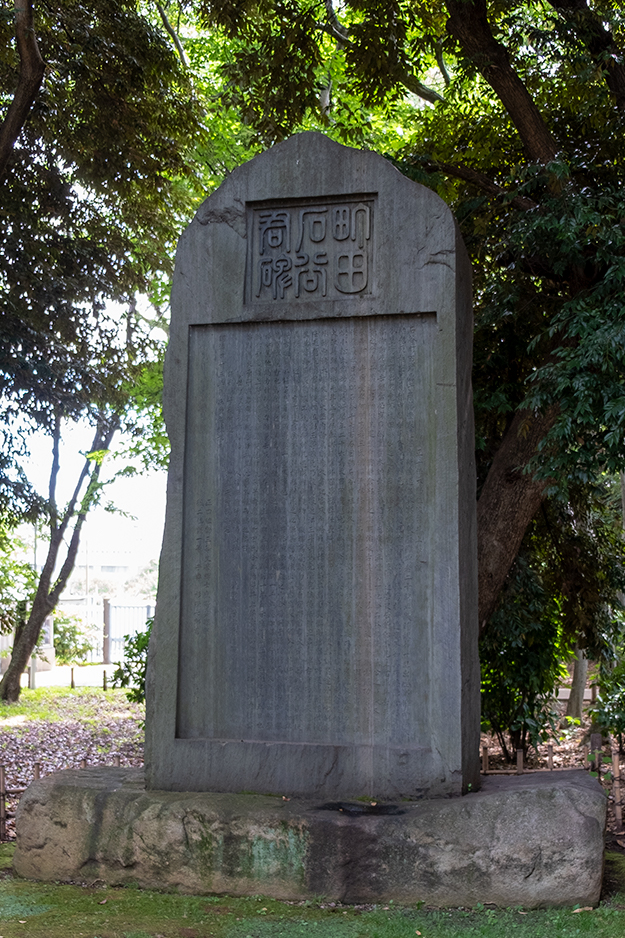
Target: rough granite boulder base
534,840
316,626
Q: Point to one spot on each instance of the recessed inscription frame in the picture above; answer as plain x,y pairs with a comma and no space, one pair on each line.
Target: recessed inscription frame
336,438
305,251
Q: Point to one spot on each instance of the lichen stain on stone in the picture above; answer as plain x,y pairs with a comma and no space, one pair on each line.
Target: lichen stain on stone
282,855
259,854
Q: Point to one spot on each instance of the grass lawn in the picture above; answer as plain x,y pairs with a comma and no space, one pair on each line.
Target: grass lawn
54,704
37,910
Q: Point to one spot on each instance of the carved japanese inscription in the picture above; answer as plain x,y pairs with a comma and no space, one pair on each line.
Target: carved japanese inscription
311,250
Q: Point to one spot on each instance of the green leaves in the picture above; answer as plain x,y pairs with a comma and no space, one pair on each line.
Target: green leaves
91,205
70,643
521,660
131,673
17,580
565,588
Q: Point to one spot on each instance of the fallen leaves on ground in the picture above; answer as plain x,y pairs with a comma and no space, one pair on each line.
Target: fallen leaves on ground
113,728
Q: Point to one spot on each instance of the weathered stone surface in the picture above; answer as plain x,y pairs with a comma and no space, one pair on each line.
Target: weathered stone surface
533,840
316,628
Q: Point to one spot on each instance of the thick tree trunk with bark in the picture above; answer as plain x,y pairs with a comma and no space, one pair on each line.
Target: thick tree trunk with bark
468,24
48,593
32,68
508,502
510,497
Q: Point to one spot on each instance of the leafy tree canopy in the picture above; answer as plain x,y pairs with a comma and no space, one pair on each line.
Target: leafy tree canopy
98,150
514,112
96,189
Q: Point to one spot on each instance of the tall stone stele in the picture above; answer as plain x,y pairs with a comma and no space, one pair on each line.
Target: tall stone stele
316,628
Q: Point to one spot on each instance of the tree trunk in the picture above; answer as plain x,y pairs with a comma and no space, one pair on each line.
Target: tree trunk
32,68
468,24
580,673
23,648
508,502
47,594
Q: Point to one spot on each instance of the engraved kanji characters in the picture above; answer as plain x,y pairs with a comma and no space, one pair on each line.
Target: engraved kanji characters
341,222
274,273
361,224
351,273
354,223
312,276
331,245
313,223
275,230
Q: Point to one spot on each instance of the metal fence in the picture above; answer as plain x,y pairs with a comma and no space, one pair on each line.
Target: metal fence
89,609
120,619
106,622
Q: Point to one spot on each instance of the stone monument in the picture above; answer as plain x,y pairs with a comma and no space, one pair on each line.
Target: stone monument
316,630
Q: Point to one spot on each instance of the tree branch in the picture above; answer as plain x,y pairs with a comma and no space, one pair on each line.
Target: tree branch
100,442
599,42
54,472
69,511
477,179
174,35
32,68
325,100
338,31
440,61
417,87
57,531
468,24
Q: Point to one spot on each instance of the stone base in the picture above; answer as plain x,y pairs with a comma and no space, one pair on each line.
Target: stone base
532,840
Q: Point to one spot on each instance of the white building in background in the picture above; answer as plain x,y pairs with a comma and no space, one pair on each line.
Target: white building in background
102,569
111,591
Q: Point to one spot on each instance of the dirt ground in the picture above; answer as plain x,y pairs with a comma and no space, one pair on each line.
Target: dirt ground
60,730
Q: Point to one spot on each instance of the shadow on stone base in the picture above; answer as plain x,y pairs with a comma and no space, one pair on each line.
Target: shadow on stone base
533,840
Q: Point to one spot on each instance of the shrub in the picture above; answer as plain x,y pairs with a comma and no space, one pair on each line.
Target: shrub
70,642
609,710
522,652
131,672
